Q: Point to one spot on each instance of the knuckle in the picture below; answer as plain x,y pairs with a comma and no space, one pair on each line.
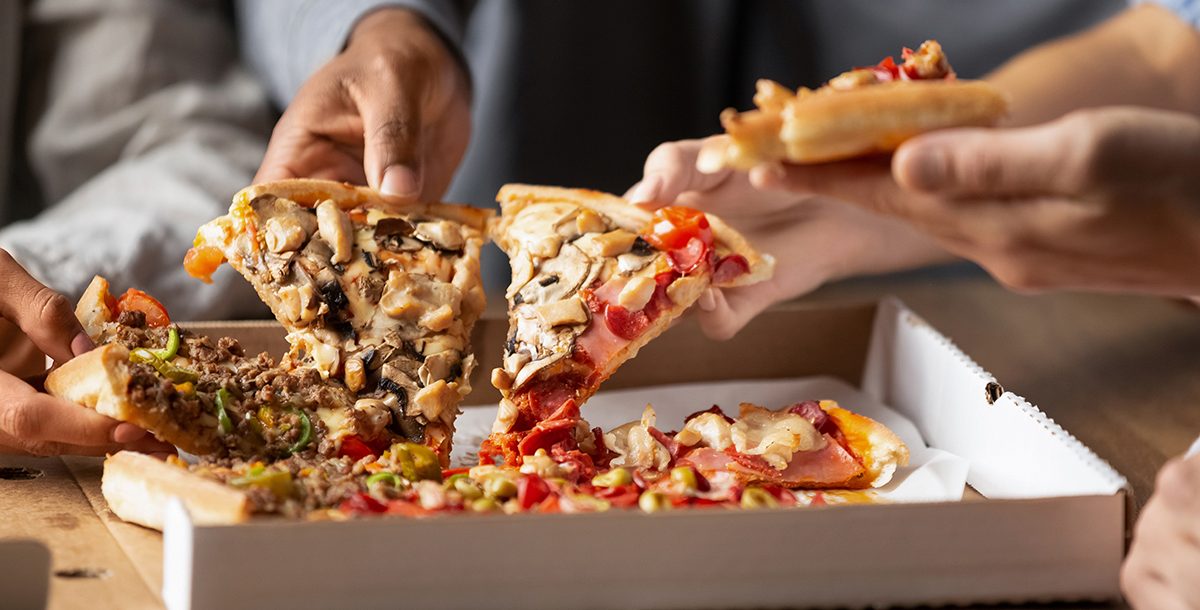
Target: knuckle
392,131
665,157
53,308
979,170
20,420
1017,276
42,448
1175,484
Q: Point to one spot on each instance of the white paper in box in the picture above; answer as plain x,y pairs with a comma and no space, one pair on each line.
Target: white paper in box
1062,540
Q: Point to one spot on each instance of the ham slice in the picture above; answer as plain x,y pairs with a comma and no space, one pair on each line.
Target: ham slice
829,467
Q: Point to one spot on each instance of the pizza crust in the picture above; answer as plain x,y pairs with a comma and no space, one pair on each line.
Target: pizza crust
832,125
99,380
309,192
138,488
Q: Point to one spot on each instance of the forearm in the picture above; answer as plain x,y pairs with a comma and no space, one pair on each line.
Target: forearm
1146,56
286,41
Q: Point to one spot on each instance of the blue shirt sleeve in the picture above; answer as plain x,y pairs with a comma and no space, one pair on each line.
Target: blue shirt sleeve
286,41
1187,10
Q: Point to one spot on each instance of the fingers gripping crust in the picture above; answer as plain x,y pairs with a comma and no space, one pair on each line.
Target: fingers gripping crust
100,380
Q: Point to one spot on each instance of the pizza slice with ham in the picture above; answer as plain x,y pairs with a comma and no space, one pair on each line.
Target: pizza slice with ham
594,279
859,112
808,445
376,292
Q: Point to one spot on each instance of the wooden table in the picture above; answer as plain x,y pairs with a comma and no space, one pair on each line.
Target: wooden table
1118,372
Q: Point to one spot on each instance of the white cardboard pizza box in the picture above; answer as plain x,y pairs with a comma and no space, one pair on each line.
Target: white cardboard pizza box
1049,521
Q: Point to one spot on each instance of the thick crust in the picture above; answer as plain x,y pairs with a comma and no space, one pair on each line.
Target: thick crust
99,380
92,308
309,193
138,488
515,197
835,125
880,449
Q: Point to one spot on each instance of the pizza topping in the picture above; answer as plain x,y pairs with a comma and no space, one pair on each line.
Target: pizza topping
559,313
635,446
588,221
442,233
201,262
613,243
334,226
707,429
729,268
136,300
926,63
636,293
776,436
286,232
686,289
672,227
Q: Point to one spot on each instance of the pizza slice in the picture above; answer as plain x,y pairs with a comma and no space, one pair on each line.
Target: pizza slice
808,445
593,280
379,293
204,396
810,453
865,110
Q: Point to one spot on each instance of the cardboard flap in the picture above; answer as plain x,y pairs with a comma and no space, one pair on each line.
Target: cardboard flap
1015,450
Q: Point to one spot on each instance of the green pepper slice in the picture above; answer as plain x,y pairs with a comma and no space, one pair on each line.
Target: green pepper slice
166,369
305,432
172,348
417,462
226,424
279,482
390,477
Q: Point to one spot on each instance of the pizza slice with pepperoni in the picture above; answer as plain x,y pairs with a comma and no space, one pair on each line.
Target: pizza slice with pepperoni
594,279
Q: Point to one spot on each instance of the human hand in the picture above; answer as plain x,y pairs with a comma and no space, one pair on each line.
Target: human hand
1163,566
32,422
391,111
1104,200
813,239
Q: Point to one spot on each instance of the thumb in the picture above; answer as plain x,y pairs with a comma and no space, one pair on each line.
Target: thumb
670,171
45,316
392,143
1046,159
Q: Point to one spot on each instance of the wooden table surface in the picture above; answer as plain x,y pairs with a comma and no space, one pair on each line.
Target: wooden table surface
1117,372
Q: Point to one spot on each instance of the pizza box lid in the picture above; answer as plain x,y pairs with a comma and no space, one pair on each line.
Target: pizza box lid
1048,521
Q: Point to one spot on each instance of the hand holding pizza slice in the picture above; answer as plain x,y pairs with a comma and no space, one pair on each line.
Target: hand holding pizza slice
594,279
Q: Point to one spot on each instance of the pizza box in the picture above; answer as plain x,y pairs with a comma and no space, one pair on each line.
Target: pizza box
1042,517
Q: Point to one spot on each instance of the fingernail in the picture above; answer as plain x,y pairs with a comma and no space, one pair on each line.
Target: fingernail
400,181
82,344
767,175
925,168
707,300
647,190
127,433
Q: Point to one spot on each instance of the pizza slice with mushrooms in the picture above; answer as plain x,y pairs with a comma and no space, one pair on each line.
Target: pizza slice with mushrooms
594,279
379,293
204,396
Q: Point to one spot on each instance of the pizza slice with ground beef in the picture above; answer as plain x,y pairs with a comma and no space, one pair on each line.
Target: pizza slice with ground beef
862,111
204,396
593,280
379,293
